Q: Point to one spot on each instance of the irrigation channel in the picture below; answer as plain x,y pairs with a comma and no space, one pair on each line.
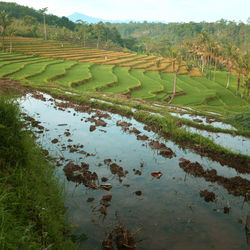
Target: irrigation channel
120,175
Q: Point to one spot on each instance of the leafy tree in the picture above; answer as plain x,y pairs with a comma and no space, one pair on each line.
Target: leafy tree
43,11
99,31
5,21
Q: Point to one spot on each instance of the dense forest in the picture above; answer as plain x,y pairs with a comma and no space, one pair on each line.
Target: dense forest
222,31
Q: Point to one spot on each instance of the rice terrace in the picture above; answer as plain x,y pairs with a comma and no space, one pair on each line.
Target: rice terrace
118,135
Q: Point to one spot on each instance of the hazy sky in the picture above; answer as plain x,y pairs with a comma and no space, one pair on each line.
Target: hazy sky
150,10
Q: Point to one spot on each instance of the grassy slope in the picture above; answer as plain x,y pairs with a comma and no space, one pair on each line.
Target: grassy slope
148,85
31,69
11,67
126,81
102,76
199,91
167,85
77,73
51,71
31,202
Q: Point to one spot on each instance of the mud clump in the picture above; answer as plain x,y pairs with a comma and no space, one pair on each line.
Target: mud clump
54,141
92,128
120,238
101,123
142,137
104,179
235,185
117,170
67,133
125,125
138,193
90,199
226,210
81,174
134,131
137,172
107,161
208,196
163,149
147,128
193,168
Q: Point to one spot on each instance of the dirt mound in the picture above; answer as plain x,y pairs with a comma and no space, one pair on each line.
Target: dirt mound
235,185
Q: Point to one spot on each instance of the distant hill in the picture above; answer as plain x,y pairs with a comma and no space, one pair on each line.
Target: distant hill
78,16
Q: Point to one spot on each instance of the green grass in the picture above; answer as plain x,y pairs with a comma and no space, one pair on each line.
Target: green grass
51,72
148,85
13,67
31,69
78,73
221,78
152,86
31,199
167,85
225,95
125,81
102,76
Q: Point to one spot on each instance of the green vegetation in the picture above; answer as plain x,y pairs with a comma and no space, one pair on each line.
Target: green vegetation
198,92
125,80
148,86
53,71
78,73
102,76
32,213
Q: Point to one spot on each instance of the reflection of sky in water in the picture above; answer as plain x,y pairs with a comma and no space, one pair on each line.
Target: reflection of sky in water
238,144
170,211
214,124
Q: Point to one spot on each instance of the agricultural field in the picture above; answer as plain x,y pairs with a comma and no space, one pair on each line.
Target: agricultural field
102,106
69,66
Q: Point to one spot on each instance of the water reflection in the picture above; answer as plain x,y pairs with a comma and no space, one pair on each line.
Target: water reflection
169,213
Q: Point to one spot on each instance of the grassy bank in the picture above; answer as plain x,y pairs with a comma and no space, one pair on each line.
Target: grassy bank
32,214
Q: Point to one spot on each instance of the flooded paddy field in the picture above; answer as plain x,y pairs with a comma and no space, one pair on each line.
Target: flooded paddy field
119,174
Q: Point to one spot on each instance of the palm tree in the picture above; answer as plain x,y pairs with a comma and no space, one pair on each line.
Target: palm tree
245,71
83,31
228,55
5,21
11,32
176,65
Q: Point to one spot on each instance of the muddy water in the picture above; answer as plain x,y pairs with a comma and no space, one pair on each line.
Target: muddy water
169,213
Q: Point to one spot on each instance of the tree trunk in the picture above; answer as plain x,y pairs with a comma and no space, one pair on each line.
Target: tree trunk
10,44
214,70
84,40
44,26
174,90
228,78
3,42
238,86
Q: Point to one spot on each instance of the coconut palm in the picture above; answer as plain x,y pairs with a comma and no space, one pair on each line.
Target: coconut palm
5,21
11,32
176,65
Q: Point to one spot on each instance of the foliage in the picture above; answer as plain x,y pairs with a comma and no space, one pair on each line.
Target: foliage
31,207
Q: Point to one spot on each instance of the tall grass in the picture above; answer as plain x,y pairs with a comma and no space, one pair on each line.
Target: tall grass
32,214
